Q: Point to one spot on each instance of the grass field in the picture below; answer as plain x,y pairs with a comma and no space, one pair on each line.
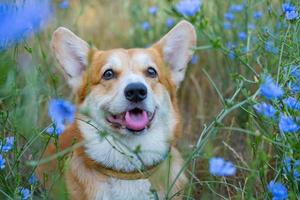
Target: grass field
239,101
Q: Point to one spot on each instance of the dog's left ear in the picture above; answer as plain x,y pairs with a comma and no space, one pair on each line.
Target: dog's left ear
176,49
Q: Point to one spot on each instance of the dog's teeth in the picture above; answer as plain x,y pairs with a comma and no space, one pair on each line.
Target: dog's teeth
123,126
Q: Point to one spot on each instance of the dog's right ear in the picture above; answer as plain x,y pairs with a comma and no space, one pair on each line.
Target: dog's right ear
72,54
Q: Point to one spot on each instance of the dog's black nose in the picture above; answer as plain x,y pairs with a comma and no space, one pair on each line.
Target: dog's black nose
135,92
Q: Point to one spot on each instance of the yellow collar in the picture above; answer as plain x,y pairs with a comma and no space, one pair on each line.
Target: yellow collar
133,175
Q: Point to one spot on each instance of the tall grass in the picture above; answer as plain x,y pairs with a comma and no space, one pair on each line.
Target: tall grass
216,99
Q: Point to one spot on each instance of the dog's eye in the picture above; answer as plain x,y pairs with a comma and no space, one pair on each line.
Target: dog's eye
108,74
151,72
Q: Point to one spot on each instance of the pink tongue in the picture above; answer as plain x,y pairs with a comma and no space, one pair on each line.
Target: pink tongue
136,120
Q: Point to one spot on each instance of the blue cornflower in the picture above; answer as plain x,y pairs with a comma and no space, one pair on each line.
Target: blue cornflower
170,22
251,26
270,47
194,59
230,45
220,167
227,25
295,72
236,8
64,4
188,7
9,142
291,15
231,55
292,103
145,25
286,7
229,16
257,15
270,89
242,36
278,190
288,125
61,112
2,162
294,87
266,110
291,167
152,10
32,179
290,11
20,21
24,192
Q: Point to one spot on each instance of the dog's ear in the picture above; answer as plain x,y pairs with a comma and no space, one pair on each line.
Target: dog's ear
72,54
176,49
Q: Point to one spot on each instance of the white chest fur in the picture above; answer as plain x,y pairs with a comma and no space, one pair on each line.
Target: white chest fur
116,189
100,187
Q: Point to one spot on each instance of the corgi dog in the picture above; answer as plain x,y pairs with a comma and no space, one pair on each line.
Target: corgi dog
127,120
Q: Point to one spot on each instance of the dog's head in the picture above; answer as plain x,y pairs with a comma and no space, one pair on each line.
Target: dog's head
127,91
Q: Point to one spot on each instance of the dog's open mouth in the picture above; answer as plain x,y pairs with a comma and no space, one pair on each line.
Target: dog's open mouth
134,120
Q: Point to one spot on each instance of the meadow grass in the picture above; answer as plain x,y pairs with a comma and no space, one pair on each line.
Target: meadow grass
237,49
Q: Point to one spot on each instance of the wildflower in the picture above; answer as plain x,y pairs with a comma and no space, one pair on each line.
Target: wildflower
230,45
270,47
2,162
291,15
292,103
288,125
257,15
170,22
295,72
152,10
194,59
9,142
188,7
231,55
20,21
32,179
291,167
270,89
64,4
227,25
61,112
266,110
145,25
236,8
24,192
278,190
294,87
290,11
229,16
242,36
251,26
220,167
286,7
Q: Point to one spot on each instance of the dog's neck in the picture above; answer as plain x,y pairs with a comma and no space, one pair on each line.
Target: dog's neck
124,153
